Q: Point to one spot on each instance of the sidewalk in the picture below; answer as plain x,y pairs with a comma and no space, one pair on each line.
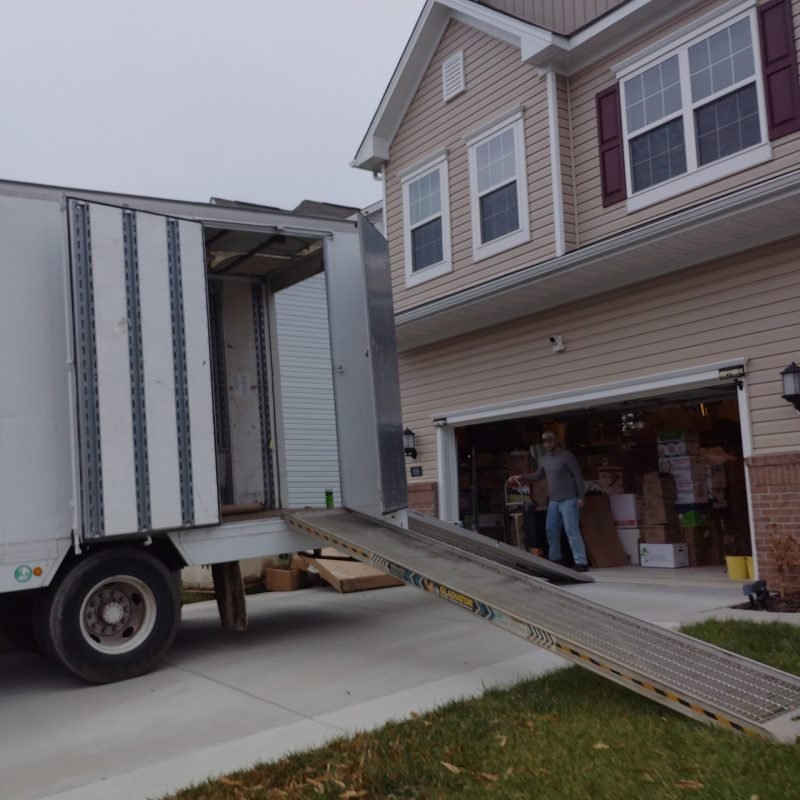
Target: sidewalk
313,665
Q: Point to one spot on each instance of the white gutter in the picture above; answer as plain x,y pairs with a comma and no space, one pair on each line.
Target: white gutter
555,164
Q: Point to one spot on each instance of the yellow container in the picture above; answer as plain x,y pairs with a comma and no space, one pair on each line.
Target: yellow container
748,560
737,567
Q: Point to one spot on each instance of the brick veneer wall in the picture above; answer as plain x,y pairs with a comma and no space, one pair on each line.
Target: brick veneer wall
424,497
775,489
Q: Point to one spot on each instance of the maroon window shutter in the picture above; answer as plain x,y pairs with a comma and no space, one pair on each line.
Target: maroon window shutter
609,134
779,55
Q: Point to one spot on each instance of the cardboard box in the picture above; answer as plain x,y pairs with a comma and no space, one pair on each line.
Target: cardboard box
655,485
660,534
681,448
625,508
700,555
658,511
686,468
689,493
677,436
284,580
716,477
603,546
695,536
611,480
596,502
629,539
669,556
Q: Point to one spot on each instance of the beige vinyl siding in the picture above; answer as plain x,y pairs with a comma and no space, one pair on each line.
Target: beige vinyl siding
746,306
555,15
596,222
496,81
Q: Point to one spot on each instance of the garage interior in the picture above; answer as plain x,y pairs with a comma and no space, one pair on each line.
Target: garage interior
665,479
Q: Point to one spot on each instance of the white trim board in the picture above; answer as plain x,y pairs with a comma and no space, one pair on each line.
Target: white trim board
690,377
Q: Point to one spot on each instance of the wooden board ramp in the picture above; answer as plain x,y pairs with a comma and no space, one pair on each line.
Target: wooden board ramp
348,576
699,680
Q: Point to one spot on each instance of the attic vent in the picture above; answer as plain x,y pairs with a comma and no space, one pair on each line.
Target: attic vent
453,76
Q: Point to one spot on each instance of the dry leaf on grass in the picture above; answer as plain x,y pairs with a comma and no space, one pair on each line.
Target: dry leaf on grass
490,776
451,767
351,794
229,782
600,746
648,777
530,723
501,740
509,772
689,784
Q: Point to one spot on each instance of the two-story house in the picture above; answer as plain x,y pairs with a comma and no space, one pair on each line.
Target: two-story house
593,214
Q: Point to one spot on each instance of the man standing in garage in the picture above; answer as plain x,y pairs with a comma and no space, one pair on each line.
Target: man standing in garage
566,489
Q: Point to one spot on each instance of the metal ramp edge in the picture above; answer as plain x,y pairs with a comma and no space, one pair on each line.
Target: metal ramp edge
699,680
498,552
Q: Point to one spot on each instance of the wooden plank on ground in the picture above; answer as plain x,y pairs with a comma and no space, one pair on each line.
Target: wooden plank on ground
349,576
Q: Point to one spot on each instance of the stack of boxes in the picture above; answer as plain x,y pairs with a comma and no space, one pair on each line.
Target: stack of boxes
661,544
679,456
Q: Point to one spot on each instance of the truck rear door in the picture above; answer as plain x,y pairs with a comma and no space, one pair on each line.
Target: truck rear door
145,431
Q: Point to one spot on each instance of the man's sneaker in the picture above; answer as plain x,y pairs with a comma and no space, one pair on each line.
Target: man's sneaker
581,568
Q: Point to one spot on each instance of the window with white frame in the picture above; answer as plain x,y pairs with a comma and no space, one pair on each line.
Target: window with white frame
697,112
427,221
498,187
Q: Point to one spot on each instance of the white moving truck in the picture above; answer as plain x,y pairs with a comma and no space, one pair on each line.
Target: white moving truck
164,362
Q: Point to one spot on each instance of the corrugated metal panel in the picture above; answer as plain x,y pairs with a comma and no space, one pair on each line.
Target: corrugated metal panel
596,222
555,15
744,306
496,81
308,414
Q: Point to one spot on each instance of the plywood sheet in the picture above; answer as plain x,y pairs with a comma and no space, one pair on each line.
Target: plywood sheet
349,576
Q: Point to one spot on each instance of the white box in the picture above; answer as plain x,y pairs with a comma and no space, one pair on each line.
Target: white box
687,468
629,538
682,448
664,555
625,508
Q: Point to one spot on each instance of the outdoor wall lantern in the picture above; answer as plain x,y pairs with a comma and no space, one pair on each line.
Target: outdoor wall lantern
410,443
791,385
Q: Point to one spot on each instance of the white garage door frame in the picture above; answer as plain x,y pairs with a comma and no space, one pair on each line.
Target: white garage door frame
602,394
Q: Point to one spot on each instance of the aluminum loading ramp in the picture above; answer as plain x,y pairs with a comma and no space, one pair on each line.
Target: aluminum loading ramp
694,678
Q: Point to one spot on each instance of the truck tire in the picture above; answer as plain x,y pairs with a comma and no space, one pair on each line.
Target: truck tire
111,617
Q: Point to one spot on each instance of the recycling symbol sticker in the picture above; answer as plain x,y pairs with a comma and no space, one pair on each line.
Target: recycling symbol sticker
23,574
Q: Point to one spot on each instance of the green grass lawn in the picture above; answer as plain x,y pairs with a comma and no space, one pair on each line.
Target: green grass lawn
570,735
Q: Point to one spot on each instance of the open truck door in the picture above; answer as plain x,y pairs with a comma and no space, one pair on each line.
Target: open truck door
142,372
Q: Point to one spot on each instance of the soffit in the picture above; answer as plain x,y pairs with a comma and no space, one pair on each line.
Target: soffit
750,218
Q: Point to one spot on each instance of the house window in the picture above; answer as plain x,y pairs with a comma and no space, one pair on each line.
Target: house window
427,221
499,191
696,113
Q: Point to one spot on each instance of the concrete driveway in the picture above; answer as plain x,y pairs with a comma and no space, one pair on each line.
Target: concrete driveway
313,665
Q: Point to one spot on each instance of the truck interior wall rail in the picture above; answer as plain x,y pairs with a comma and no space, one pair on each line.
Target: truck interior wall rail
694,678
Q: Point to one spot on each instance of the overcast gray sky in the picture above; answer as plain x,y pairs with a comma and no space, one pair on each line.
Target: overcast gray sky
259,100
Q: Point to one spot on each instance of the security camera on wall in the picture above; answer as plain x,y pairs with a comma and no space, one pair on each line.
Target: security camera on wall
558,343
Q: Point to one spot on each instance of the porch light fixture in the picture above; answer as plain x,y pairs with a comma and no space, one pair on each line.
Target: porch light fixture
791,385
410,443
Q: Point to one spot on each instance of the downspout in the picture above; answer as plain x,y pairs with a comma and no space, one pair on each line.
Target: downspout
555,163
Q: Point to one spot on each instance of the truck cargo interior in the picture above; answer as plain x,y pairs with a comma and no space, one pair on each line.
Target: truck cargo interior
266,294
665,470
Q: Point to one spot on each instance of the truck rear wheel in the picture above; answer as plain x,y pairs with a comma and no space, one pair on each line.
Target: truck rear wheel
111,617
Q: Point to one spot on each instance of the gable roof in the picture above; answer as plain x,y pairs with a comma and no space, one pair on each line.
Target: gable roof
538,47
